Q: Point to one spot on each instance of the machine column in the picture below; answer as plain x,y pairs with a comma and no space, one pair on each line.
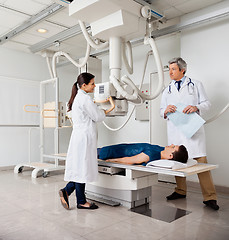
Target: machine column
115,46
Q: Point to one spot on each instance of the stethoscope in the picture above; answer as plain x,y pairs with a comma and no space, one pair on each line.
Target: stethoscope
190,83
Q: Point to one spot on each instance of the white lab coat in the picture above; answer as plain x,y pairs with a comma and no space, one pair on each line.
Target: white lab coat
81,162
195,96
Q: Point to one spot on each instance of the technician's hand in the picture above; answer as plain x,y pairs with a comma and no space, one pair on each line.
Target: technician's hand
190,109
170,109
110,99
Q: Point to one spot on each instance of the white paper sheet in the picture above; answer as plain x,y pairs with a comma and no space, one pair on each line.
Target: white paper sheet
188,124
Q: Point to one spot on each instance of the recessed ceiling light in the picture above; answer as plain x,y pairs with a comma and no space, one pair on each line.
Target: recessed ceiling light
42,30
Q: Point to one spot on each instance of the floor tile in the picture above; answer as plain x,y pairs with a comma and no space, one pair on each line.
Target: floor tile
31,209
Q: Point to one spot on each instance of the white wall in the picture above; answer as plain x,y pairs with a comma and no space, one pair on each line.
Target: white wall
169,46
206,51
14,140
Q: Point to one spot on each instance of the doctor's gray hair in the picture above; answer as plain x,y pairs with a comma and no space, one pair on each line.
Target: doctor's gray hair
81,79
180,63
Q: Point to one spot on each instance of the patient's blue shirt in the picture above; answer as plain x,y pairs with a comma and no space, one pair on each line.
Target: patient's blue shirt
129,150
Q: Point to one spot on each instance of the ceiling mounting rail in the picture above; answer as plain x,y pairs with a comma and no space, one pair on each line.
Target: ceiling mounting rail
33,20
59,37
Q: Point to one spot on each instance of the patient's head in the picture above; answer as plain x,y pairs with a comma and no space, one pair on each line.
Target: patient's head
181,155
176,153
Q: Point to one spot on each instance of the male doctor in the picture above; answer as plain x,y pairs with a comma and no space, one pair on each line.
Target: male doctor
191,93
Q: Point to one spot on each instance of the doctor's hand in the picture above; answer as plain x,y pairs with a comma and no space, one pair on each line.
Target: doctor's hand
170,109
190,109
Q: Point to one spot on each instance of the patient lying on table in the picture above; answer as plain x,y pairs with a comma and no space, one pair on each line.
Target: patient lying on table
142,153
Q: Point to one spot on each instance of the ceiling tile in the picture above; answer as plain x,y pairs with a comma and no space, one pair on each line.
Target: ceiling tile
28,38
160,5
3,30
62,18
175,2
11,19
172,13
78,40
60,21
44,2
17,46
52,29
194,5
25,6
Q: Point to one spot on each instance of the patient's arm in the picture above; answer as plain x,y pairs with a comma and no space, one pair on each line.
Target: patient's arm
137,159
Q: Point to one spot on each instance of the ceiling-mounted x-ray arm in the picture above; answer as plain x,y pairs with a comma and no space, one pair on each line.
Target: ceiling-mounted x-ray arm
136,92
117,84
89,39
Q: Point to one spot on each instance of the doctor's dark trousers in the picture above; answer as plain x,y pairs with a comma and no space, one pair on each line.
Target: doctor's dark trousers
80,191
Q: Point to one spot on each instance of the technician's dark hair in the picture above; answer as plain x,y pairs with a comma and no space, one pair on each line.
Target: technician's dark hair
81,79
181,155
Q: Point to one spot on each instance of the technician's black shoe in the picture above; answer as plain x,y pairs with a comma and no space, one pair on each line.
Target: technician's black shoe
92,206
64,198
212,204
175,195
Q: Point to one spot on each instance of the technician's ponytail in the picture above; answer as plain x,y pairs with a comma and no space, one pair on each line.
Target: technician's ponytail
82,78
74,92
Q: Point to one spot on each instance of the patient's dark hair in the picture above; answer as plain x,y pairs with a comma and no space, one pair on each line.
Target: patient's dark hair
181,155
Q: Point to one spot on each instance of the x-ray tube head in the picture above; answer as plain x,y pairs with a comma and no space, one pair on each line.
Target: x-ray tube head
103,91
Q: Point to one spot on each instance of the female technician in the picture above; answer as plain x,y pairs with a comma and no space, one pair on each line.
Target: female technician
81,163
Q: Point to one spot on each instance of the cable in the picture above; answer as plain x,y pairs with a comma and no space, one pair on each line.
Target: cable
89,40
128,64
218,115
79,65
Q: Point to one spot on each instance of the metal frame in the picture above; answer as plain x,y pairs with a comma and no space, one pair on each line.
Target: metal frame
59,37
41,166
33,20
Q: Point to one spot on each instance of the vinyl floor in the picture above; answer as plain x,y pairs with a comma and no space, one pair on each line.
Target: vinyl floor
31,209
